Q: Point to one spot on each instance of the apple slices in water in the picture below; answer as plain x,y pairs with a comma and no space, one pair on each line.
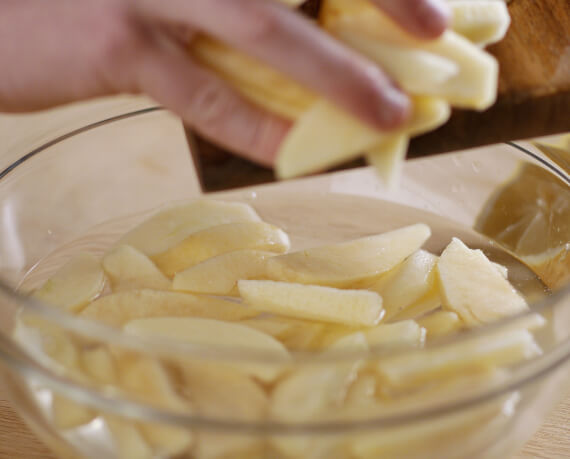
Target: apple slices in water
119,308
407,283
441,323
128,269
216,334
74,285
474,288
349,307
221,239
503,348
219,275
342,265
171,226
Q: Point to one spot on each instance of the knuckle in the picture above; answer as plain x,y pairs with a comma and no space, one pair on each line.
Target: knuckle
210,104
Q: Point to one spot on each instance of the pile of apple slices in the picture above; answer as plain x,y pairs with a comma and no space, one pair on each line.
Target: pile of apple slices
452,70
213,274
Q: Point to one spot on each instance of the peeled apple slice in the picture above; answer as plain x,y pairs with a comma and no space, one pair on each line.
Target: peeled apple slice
407,283
146,378
348,307
68,414
166,440
326,136
119,308
426,304
221,239
342,265
387,159
74,285
441,323
294,334
472,286
482,22
219,275
99,365
224,393
127,439
214,334
129,269
363,25
257,81
406,333
416,71
490,351
313,392
171,226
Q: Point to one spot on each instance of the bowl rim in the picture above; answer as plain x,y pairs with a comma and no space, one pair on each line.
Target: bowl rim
545,363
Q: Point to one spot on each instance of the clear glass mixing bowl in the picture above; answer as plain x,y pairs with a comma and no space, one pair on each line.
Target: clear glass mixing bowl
81,191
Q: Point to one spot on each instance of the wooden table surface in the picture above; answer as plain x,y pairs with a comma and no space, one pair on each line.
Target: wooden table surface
552,440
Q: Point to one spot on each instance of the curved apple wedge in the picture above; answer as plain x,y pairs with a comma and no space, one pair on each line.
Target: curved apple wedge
344,264
74,285
119,308
221,239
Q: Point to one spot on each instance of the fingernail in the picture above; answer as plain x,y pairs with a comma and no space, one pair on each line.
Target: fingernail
434,17
394,108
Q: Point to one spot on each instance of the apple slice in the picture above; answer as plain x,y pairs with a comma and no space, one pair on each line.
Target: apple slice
99,365
341,265
118,308
127,269
299,335
326,136
314,392
68,414
441,323
166,440
387,158
472,286
224,393
171,226
127,439
406,283
426,304
146,378
502,348
348,307
406,333
362,26
482,23
74,285
221,239
219,275
217,335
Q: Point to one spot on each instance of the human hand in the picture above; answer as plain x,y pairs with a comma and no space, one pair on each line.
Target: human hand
71,50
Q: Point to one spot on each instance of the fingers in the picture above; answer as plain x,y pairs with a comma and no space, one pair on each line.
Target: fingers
422,18
296,47
207,104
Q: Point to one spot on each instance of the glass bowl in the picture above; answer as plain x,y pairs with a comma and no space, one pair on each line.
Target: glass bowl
87,390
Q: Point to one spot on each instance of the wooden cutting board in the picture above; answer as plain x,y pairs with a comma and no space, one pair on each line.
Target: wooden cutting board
533,100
